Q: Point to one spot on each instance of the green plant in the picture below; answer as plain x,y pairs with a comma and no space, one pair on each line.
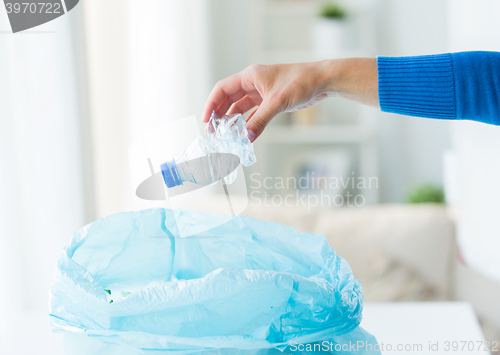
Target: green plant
426,193
332,10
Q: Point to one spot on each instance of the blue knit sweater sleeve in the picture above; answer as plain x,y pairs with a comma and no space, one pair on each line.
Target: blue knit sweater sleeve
463,86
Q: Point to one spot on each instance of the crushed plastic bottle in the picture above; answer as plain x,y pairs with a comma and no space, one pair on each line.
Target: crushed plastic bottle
226,135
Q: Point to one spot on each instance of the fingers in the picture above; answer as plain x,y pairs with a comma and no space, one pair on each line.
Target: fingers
228,87
251,115
260,118
228,101
242,106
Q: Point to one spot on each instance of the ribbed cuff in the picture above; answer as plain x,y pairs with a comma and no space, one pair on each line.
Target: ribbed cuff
420,86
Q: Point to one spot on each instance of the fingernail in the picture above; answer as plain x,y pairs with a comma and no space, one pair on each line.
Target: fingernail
251,135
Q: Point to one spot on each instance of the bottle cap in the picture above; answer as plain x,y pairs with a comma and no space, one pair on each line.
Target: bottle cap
170,174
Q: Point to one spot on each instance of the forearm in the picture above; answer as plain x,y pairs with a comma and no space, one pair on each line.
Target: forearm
354,79
450,86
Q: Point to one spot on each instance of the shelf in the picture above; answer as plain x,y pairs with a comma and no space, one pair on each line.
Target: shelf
291,8
318,134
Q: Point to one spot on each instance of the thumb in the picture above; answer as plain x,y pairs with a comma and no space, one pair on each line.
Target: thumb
259,119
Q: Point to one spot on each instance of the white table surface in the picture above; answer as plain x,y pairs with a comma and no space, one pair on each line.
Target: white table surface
391,323
424,323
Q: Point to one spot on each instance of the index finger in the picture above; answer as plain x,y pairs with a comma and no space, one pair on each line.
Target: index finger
224,88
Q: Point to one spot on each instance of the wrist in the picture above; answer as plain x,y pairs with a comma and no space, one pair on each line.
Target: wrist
351,78
331,77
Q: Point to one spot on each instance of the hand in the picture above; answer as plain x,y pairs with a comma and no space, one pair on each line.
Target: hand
290,87
273,88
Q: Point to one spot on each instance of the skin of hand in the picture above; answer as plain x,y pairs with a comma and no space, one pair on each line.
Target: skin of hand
278,88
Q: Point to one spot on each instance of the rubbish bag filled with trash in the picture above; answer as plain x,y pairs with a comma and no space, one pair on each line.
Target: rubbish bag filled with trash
128,284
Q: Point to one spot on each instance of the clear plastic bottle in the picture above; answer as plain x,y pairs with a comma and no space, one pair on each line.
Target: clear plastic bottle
226,134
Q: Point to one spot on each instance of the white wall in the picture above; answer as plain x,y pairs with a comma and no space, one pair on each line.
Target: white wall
167,70
229,38
104,28
41,185
148,63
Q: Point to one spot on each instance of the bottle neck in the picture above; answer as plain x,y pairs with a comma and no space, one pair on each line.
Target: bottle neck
170,174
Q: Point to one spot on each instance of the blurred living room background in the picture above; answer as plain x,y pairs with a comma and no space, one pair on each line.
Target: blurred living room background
77,91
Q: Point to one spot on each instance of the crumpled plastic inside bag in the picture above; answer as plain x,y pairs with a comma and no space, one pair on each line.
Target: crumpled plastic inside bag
245,287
